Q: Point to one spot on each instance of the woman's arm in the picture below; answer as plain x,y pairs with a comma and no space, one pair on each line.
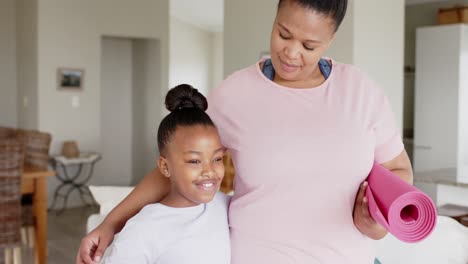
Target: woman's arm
153,188
401,166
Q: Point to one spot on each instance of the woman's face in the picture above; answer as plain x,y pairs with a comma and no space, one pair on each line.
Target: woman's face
299,38
194,164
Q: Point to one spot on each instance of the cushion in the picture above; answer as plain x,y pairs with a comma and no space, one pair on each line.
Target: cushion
109,197
93,221
448,243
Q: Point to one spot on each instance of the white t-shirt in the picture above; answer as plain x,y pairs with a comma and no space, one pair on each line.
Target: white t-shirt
166,235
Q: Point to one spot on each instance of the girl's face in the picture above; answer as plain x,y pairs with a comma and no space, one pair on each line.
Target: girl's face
194,164
299,38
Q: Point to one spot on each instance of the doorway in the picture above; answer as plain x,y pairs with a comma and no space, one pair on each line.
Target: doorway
131,103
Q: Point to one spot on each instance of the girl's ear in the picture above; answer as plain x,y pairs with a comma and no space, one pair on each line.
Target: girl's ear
163,167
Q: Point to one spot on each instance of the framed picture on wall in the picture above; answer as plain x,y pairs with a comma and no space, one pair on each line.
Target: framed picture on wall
69,78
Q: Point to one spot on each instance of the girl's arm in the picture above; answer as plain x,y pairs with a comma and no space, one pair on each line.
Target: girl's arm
153,188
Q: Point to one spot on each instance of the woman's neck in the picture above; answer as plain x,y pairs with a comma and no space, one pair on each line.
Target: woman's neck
315,80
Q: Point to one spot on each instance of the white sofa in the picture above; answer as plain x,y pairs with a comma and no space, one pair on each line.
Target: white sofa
448,244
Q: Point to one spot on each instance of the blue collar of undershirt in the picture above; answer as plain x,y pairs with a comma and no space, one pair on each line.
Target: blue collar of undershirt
267,69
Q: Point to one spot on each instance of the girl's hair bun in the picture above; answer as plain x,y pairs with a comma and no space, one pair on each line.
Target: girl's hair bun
185,96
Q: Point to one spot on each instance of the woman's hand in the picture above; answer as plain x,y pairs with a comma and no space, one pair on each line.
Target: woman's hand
93,245
152,189
362,218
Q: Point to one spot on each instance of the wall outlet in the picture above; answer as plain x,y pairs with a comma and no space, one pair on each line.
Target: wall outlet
75,101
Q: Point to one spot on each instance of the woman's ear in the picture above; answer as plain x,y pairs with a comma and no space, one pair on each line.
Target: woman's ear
163,167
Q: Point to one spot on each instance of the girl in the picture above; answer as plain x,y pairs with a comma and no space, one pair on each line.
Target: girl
190,224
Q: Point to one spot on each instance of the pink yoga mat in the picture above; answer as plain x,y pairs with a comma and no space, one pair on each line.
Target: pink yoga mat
409,214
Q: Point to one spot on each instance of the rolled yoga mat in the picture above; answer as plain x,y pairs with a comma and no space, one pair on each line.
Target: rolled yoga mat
409,214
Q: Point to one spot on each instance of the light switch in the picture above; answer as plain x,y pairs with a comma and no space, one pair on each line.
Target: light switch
75,101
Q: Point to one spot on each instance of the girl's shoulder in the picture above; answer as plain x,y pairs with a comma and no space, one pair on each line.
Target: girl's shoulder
222,199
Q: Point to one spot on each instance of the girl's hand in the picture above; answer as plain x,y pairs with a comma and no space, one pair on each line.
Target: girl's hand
362,218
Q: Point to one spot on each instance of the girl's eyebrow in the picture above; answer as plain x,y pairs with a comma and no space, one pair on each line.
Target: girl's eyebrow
222,149
199,153
192,152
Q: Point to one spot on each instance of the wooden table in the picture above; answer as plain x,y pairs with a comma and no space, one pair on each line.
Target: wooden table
34,181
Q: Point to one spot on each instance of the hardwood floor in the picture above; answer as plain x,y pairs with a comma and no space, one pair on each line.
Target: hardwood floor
63,235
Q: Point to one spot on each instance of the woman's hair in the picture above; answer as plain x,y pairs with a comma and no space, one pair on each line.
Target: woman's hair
334,8
187,107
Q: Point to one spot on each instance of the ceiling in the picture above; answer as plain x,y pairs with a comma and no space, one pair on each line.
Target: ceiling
206,14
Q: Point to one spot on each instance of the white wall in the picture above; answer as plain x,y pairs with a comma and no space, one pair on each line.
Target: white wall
342,48
147,55
218,58
27,67
8,91
191,56
379,46
65,24
69,35
247,28
128,99
116,111
463,108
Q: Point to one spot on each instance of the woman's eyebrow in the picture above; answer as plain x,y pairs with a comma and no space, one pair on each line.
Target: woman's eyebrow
289,32
285,28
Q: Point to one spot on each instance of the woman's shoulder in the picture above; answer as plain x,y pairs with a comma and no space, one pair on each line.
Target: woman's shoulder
242,75
234,84
356,77
345,70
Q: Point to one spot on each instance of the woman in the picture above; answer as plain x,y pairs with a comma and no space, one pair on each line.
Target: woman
303,132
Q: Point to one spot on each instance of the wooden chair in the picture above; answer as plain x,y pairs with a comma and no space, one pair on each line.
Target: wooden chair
36,154
7,132
36,150
227,185
37,146
11,169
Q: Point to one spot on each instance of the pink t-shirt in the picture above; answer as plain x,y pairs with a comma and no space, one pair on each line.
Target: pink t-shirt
300,155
